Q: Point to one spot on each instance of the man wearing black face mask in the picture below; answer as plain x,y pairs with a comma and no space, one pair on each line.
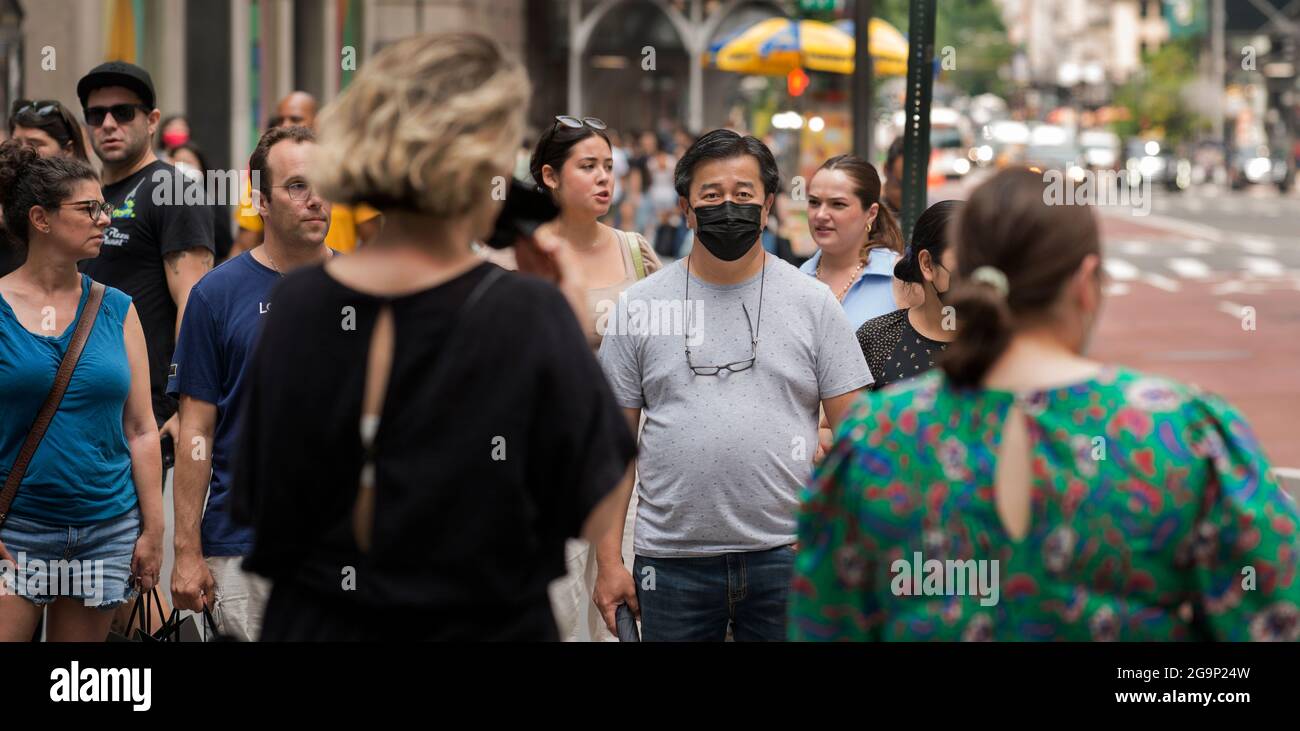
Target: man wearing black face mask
730,353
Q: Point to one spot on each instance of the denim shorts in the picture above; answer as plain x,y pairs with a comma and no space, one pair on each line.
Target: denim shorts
89,562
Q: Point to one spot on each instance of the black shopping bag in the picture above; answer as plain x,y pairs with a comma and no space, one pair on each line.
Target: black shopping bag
143,608
188,628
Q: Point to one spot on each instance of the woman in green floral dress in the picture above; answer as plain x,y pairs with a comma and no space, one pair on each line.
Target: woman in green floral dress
1024,492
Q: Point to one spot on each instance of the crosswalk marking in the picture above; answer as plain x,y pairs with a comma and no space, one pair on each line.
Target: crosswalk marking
1257,246
1161,282
1231,308
1120,270
1262,266
1199,246
1189,268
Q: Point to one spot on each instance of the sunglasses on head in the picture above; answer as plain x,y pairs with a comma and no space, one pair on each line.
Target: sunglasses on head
40,109
122,113
575,123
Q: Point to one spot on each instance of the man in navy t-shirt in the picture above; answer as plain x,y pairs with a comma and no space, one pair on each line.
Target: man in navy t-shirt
217,338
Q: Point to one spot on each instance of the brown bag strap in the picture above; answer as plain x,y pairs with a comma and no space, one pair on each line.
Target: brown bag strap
61,380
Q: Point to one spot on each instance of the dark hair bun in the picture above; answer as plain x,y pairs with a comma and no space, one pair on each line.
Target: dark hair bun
906,269
15,160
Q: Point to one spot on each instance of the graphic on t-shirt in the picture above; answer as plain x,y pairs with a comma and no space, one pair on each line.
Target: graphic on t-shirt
127,209
113,236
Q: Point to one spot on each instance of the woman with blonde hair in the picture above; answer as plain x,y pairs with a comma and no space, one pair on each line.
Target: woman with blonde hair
419,480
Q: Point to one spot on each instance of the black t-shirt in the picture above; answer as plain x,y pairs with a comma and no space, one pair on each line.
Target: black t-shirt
131,259
481,475
223,235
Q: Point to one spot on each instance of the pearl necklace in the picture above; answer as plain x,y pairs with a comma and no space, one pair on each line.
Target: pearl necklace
852,278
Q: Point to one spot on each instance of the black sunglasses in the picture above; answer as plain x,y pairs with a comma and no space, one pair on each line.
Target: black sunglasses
575,123
39,109
122,113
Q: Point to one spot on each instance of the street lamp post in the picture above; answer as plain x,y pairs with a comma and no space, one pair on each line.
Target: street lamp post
863,75
916,126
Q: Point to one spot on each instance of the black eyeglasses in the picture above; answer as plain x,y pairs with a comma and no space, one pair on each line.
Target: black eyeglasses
122,113
575,123
93,208
735,366
297,191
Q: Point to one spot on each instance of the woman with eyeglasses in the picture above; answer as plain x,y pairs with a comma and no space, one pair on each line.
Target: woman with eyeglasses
573,161
50,129
908,341
1023,491
94,473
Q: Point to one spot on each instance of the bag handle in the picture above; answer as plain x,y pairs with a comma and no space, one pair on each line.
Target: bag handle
634,248
43,417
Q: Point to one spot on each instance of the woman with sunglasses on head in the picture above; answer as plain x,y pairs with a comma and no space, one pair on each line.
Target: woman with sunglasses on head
93,469
1115,505
573,161
50,129
907,341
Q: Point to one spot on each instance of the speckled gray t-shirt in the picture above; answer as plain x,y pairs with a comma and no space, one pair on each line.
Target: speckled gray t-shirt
722,458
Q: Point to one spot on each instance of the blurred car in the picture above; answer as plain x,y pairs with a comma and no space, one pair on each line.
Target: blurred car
1101,149
1209,163
1150,160
1256,165
1001,143
950,142
1052,147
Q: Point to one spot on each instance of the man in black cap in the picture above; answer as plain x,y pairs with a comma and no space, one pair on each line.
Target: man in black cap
158,247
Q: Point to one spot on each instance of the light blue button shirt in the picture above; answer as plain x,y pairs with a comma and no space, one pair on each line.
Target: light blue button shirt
873,294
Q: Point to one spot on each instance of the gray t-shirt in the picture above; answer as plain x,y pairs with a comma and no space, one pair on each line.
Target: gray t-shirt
722,458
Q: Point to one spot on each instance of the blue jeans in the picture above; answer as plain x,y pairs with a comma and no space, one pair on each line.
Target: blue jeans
694,599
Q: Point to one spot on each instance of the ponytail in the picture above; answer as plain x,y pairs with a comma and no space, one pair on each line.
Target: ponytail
884,232
983,333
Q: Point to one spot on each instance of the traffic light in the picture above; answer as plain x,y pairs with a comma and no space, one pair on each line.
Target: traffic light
796,82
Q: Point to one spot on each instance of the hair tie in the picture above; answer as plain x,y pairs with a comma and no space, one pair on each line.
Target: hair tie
993,277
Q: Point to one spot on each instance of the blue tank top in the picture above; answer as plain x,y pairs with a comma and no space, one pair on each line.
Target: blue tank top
81,473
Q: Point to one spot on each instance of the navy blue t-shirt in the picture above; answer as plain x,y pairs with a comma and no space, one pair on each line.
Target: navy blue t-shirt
222,321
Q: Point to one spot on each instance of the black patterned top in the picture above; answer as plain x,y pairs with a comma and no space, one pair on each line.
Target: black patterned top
895,350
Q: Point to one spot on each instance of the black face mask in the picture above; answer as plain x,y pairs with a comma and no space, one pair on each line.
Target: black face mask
728,230
943,294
